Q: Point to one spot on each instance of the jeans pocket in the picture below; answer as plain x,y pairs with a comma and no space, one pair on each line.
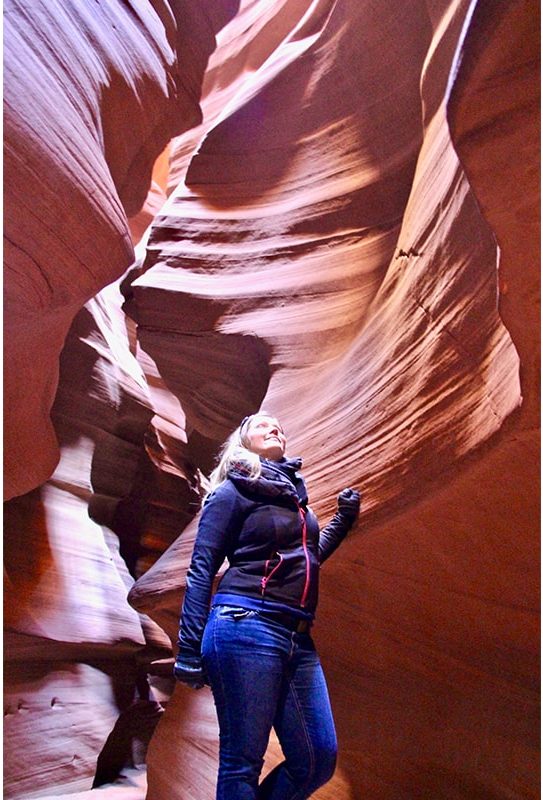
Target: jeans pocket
235,613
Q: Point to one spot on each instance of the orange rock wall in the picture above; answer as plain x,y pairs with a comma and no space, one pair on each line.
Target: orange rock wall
389,363
350,240
93,94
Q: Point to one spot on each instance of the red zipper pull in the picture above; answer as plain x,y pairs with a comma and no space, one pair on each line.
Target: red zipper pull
264,580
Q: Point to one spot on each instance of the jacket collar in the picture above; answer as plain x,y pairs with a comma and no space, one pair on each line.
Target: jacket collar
278,479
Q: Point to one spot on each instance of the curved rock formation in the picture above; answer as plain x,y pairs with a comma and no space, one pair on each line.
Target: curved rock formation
93,93
76,653
389,364
349,240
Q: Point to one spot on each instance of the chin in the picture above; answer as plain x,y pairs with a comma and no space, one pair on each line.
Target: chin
274,455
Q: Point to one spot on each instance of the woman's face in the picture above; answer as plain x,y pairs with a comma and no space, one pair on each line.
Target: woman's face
266,438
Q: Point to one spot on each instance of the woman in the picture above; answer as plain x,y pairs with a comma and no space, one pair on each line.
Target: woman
255,648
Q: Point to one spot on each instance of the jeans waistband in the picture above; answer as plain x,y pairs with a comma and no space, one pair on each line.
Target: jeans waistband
289,621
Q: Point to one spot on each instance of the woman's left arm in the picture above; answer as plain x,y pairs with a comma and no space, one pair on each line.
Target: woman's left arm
331,536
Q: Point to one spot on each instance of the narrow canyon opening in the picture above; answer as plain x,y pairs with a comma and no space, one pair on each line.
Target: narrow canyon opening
328,209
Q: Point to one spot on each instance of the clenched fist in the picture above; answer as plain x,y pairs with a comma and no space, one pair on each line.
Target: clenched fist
348,504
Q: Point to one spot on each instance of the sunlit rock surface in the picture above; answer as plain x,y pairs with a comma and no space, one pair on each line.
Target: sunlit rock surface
329,249
59,714
366,262
93,93
71,641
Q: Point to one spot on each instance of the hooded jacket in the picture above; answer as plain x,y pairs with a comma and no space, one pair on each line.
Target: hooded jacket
271,538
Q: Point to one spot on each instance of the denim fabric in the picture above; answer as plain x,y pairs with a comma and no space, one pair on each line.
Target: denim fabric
263,675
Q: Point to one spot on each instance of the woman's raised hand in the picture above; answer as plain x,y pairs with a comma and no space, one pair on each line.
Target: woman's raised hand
348,504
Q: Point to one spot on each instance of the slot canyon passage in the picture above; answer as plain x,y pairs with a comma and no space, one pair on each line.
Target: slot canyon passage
328,209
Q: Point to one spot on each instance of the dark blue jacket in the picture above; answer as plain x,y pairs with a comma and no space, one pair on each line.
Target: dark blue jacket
271,539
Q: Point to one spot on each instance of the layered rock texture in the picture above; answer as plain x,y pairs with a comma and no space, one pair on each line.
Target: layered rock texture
341,227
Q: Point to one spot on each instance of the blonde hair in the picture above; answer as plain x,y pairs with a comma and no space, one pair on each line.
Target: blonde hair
235,451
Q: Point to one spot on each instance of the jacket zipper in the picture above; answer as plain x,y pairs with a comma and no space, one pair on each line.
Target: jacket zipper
306,554
264,580
267,577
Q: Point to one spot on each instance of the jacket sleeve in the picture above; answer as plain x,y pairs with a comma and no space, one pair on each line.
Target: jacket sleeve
220,521
332,535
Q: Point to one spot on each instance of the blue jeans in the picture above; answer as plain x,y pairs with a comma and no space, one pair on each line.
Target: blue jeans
263,675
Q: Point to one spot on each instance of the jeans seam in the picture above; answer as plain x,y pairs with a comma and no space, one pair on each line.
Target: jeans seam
221,680
301,791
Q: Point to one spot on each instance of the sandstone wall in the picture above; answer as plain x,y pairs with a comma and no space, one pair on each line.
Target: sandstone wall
390,364
93,93
346,234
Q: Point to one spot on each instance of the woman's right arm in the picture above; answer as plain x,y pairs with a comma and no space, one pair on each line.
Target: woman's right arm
220,521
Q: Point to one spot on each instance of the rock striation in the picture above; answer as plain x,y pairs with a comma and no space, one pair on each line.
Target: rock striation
366,262
343,200
94,92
